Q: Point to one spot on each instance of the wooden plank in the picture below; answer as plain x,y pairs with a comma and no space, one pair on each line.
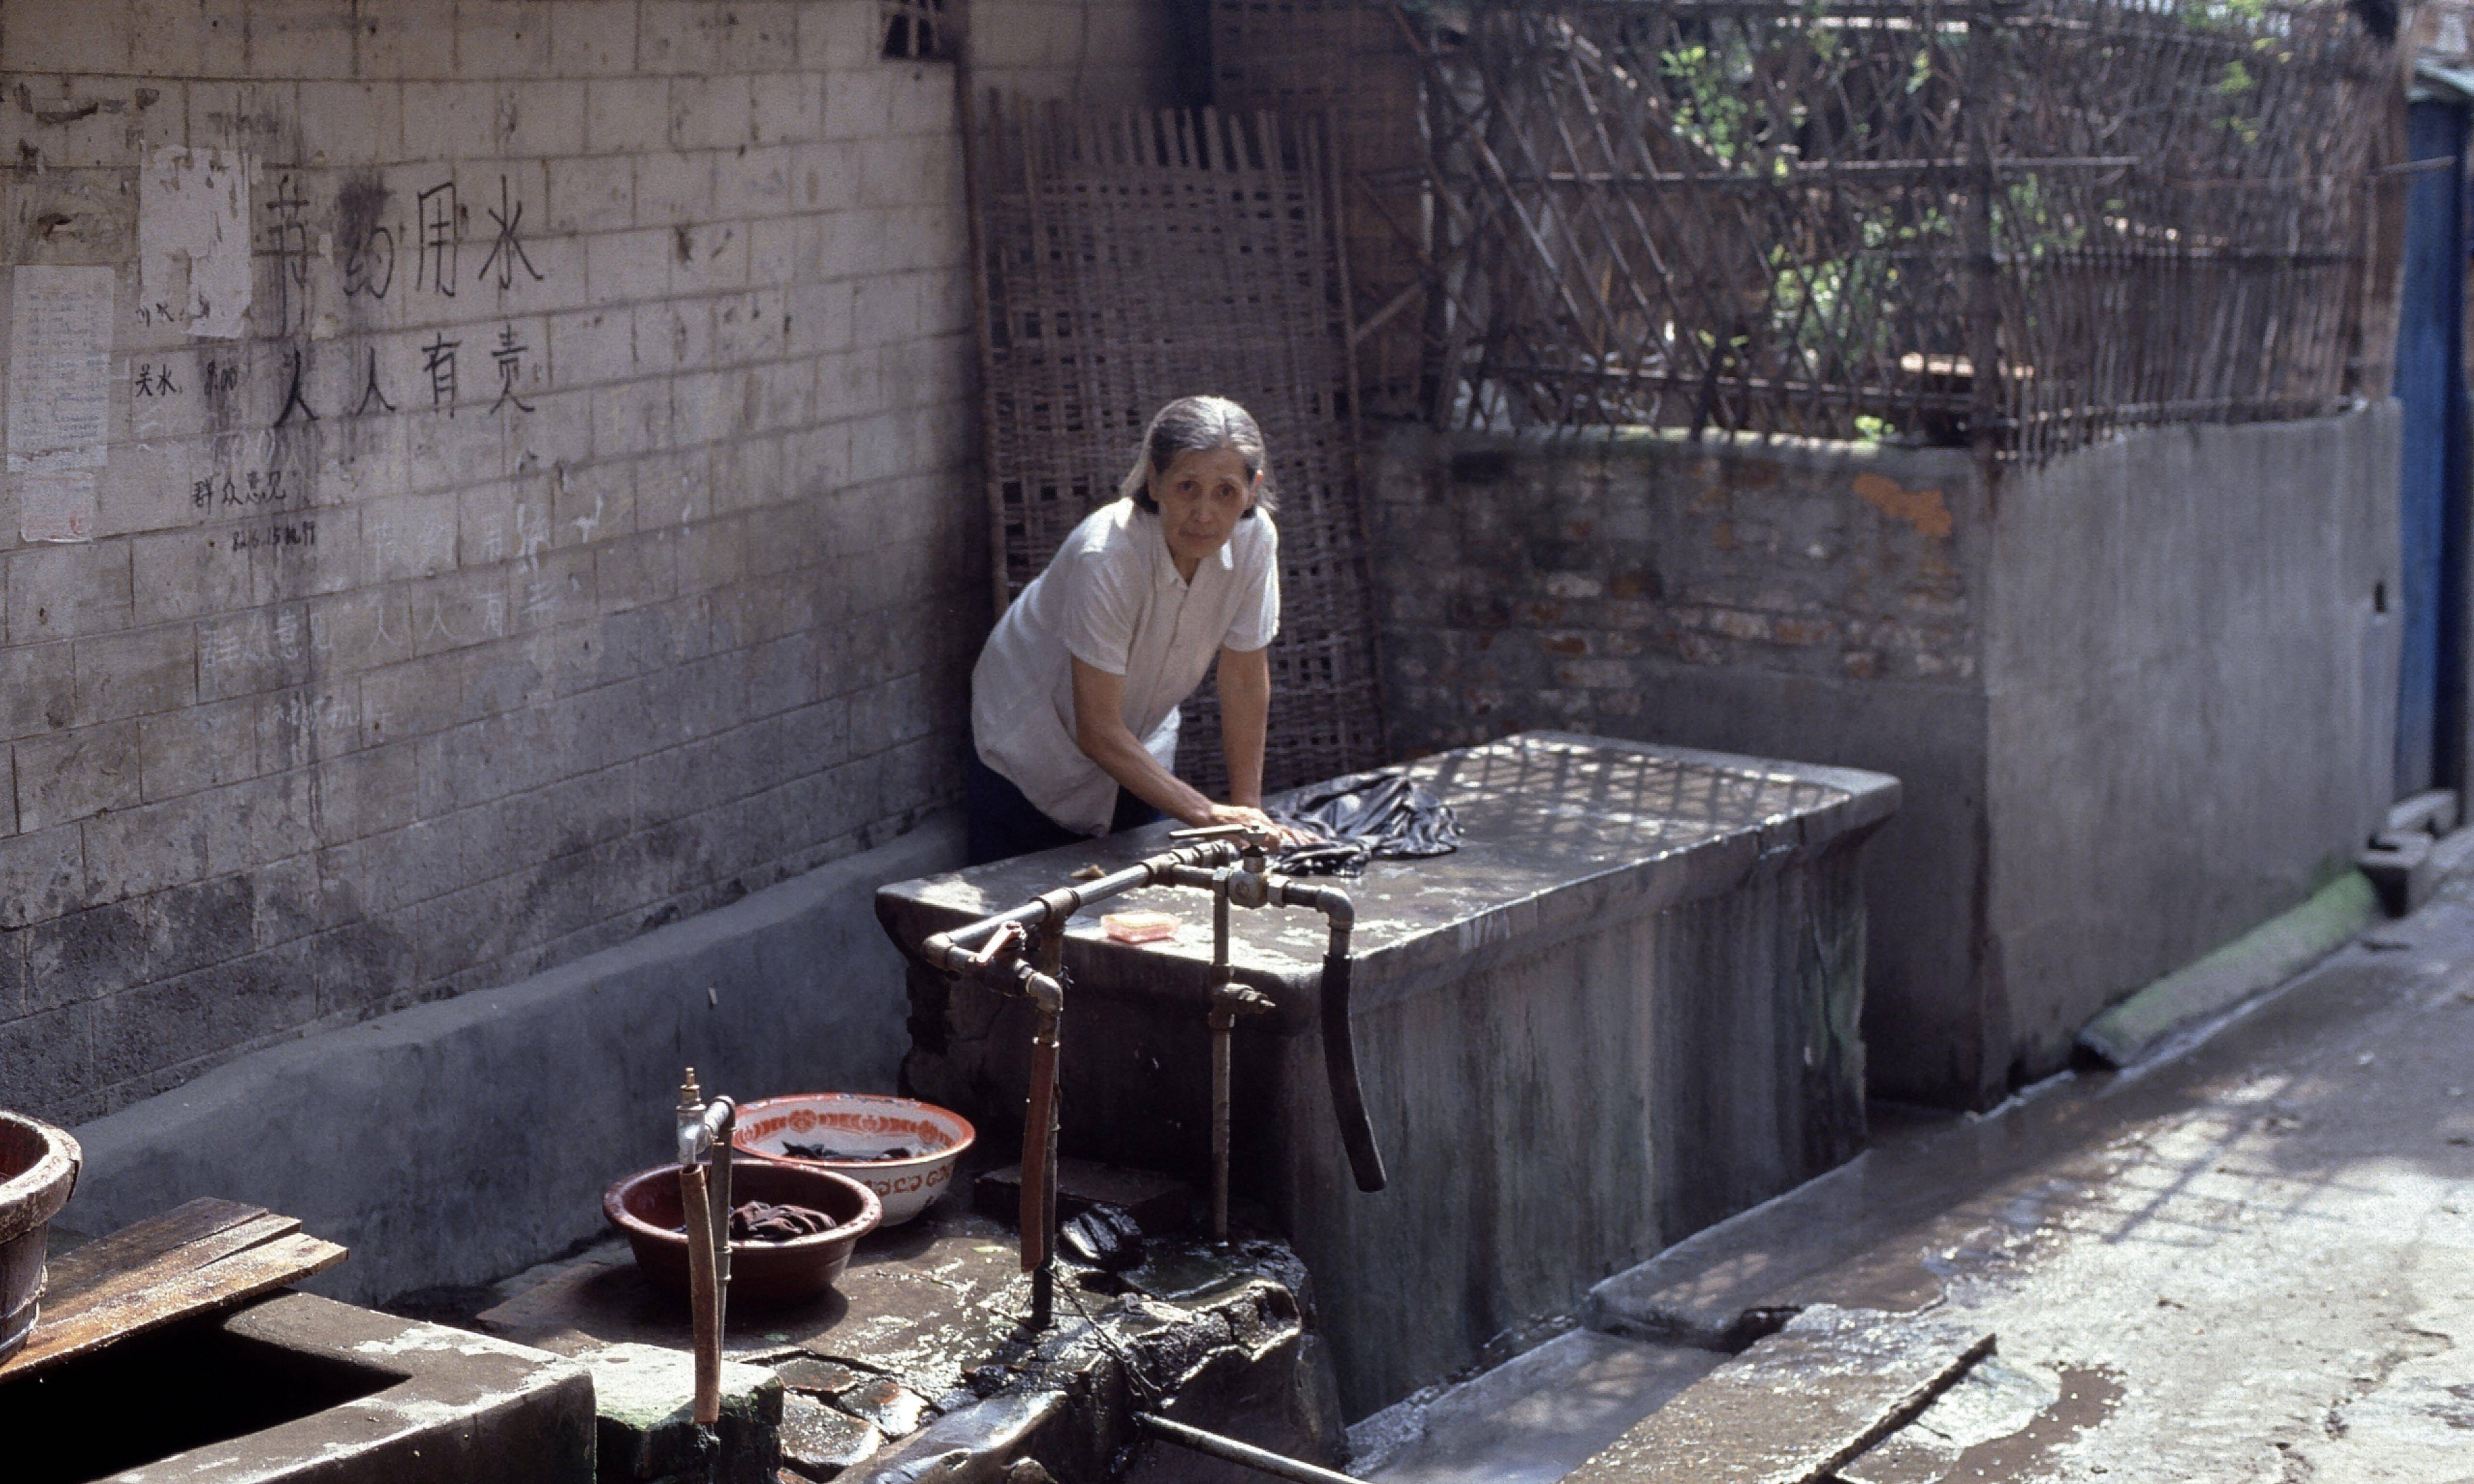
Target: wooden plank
88,1286
205,1256
146,1240
284,1258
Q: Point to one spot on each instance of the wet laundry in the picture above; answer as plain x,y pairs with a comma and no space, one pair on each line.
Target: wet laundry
847,1156
1383,814
758,1221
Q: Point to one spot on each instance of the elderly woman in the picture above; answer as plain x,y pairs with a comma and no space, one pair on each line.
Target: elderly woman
1074,702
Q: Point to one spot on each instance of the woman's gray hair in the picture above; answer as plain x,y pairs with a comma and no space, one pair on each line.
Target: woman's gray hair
1194,425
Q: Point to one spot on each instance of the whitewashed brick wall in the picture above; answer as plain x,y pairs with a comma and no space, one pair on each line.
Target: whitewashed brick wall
360,697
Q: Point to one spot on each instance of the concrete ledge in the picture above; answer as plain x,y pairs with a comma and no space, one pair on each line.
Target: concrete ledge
2265,956
462,1140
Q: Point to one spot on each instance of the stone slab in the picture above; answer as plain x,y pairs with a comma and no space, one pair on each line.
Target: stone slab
645,1426
977,1444
300,1388
1532,1419
1797,1404
818,1442
2433,811
923,1303
2399,866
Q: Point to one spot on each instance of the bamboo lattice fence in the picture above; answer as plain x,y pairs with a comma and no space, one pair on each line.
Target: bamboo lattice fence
2015,223
1130,259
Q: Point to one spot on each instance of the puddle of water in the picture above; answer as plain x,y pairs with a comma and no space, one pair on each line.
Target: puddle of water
1997,1422
2089,1395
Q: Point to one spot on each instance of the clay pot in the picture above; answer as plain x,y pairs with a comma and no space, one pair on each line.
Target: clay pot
38,1169
861,1121
646,1206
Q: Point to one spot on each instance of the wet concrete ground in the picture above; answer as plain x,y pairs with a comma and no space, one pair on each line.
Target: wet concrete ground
2252,1259
2252,1262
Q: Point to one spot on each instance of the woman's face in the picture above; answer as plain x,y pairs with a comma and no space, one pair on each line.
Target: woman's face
1202,496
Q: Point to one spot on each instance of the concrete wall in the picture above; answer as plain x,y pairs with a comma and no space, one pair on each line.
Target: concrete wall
460,1141
424,639
2192,699
1568,1112
2138,698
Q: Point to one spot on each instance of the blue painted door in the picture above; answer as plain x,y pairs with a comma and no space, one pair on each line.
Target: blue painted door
2431,384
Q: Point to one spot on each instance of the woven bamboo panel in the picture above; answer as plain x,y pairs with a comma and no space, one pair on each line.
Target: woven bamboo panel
1131,259
1347,62
2020,223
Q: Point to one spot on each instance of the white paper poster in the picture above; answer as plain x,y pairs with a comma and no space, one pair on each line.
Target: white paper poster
59,365
193,240
57,505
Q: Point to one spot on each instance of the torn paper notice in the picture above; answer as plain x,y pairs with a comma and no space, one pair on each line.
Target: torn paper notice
193,240
57,505
59,364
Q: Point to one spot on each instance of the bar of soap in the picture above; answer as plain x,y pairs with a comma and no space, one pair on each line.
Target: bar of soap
1139,926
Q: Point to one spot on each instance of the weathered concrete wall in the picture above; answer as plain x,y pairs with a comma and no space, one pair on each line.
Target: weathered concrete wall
2192,699
1803,600
578,531
1568,1113
2138,700
460,1141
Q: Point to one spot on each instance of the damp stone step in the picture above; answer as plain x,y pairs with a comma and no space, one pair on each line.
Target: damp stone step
1797,1404
645,1430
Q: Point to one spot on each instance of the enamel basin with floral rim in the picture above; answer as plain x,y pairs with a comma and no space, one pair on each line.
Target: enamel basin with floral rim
865,1124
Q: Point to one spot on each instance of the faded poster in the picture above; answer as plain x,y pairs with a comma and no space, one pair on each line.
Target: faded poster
59,365
57,505
193,240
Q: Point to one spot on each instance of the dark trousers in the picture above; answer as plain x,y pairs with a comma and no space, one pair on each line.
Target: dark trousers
1003,823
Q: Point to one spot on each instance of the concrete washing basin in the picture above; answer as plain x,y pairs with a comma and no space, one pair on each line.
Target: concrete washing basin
38,1168
1624,1009
297,1387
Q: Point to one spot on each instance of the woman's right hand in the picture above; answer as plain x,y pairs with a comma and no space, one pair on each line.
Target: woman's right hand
1256,820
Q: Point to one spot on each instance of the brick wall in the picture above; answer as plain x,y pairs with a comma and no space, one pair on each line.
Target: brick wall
1554,583
424,638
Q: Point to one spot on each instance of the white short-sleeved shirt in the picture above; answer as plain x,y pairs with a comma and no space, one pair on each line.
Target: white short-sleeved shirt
1111,598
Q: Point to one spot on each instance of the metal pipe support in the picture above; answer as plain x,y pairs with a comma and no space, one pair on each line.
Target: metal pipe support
1229,999
951,950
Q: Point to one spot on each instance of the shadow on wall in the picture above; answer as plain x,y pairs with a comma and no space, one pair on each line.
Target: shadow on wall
459,1141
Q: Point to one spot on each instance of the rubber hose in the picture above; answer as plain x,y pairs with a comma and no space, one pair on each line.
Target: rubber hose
1339,1066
